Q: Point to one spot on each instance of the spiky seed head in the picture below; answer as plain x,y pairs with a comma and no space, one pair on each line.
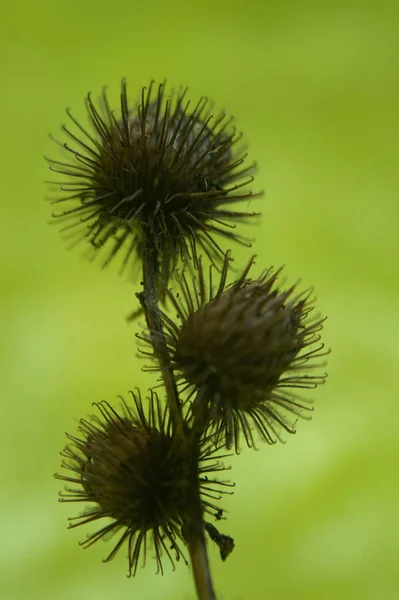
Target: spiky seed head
160,170
128,465
244,351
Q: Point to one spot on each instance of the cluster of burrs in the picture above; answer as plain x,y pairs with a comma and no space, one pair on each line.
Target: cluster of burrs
157,183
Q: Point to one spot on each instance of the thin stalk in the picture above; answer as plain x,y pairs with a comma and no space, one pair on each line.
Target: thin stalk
200,566
194,526
149,301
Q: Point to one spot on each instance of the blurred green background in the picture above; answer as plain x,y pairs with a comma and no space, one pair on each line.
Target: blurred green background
315,88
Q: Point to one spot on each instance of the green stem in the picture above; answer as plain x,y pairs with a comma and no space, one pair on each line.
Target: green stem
149,301
200,566
194,527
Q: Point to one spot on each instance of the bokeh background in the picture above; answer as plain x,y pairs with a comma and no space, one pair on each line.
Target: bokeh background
315,88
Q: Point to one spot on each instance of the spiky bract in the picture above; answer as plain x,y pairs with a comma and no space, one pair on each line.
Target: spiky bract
244,350
134,472
159,170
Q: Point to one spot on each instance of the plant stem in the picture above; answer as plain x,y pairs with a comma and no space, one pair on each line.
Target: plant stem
200,565
194,524
149,301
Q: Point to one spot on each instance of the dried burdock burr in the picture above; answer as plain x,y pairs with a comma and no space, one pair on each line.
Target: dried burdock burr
245,351
128,465
161,169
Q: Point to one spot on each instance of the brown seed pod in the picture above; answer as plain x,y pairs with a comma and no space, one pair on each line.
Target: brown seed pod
158,169
132,470
244,351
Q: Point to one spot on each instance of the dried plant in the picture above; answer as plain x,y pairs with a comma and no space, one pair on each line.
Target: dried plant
160,180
